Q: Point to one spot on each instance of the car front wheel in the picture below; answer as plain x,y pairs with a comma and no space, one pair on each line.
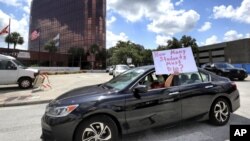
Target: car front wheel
219,112
241,78
25,83
98,128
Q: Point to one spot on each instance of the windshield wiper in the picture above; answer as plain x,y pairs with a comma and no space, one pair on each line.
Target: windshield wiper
106,86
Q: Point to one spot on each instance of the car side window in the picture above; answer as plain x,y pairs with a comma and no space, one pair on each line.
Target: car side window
6,65
153,81
205,77
2,65
189,78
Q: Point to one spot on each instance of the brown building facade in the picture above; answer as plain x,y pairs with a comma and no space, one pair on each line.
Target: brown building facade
79,24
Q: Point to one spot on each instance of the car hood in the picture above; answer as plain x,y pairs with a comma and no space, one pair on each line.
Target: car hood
32,70
82,94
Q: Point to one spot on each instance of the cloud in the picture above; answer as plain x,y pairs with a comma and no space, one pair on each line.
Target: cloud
112,38
162,40
248,35
11,2
111,20
205,27
179,2
232,35
22,4
26,7
162,17
20,26
211,40
240,13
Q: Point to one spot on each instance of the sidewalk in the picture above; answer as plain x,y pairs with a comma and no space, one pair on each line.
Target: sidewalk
11,95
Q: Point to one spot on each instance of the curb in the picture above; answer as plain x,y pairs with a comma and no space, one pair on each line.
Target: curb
24,103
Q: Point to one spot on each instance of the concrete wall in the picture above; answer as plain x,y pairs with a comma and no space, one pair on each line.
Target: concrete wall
234,52
238,51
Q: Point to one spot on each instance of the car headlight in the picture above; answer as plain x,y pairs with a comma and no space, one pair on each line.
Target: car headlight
60,111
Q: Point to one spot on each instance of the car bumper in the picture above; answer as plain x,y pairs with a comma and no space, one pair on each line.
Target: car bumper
54,129
236,75
235,100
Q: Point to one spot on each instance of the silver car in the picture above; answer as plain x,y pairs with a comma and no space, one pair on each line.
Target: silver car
118,69
111,70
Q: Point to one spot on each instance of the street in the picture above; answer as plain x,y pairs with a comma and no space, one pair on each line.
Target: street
22,123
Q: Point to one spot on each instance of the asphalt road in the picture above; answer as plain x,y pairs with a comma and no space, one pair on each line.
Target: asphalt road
22,123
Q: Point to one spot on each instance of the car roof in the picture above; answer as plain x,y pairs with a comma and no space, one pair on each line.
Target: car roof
6,57
121,65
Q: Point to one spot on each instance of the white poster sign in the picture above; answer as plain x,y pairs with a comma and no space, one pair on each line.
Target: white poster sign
25,55
175,60
129,60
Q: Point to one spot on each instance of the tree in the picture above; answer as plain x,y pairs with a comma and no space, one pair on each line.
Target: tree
14,38
123,50
185,41
174,43
51,48
188,41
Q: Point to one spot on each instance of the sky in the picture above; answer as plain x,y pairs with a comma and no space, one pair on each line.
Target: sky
152,22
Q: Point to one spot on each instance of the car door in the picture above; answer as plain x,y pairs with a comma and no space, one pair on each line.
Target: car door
156,107
8,72
196,94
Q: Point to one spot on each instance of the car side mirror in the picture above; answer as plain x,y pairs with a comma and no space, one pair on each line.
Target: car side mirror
12,68
139,89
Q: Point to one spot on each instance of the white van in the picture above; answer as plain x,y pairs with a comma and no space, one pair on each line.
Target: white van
14,72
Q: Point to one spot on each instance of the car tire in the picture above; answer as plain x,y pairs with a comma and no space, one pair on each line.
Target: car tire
220,112
88,129
25,83
242,79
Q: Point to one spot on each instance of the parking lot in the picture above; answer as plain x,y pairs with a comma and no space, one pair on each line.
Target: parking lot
23,122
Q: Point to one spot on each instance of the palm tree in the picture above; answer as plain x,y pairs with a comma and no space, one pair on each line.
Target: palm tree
188,41
94,49
76,52
51,48
80,53
73,52
14,38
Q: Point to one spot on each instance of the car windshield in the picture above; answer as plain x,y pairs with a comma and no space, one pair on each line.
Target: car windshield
19,64
122,67
224,65
123,80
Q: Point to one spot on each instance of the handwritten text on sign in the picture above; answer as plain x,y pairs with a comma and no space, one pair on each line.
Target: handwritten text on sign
175,60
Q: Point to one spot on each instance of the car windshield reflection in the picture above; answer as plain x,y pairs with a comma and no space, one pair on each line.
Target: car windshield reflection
124,79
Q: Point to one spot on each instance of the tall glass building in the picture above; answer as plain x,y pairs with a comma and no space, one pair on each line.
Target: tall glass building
80,23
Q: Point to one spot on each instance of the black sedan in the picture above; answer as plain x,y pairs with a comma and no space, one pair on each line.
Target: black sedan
227,70
136,100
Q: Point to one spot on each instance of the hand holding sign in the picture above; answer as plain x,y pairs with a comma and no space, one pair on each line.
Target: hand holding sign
175,60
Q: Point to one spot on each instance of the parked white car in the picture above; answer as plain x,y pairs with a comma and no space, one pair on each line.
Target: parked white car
118,69
14,72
